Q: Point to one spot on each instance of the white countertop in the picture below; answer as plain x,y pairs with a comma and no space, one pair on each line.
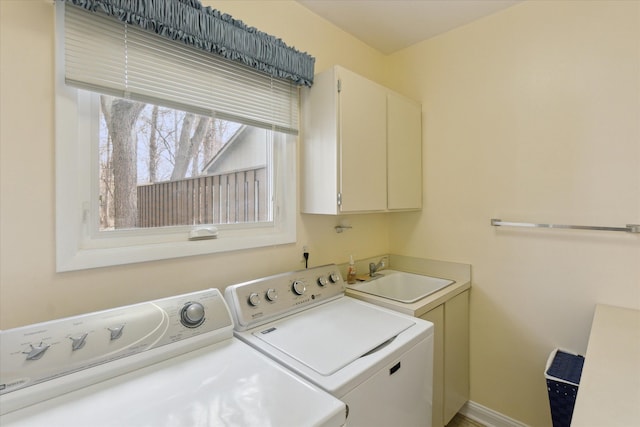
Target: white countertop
460,273
609,390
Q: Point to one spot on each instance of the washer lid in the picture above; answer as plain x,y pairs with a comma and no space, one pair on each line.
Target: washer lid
329,337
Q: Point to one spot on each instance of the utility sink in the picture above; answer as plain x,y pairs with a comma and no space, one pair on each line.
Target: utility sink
401,286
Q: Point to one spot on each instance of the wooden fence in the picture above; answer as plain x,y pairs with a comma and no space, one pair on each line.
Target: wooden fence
217,199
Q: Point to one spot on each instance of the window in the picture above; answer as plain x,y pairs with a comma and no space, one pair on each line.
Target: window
160,167
136,174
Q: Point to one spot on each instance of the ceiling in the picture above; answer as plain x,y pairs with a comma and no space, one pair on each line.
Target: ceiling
391,25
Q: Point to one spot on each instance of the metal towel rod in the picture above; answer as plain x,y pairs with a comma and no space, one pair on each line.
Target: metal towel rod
630,228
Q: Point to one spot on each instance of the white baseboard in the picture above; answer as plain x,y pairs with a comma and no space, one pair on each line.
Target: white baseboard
487,416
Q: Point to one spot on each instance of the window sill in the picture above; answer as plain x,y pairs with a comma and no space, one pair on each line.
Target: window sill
71,259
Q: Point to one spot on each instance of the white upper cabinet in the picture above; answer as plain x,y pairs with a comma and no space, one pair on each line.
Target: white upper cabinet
361,147
362,143
404,153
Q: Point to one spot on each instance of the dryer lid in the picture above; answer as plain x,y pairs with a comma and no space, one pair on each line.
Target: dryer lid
329,337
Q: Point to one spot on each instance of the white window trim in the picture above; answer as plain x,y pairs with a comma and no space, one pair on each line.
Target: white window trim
79,247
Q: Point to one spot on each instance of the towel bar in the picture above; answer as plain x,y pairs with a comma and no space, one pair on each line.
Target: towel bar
630,228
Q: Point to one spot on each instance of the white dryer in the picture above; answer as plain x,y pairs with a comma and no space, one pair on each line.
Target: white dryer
379,362
172,362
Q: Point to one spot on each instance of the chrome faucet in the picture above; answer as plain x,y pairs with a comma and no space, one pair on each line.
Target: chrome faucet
373,268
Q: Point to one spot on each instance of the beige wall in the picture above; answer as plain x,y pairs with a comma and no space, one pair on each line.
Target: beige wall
30,289
532,114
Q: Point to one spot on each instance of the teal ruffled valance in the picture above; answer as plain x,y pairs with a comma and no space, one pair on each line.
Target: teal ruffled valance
208,29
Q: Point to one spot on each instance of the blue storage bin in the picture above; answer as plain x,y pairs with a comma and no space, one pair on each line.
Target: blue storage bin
563,374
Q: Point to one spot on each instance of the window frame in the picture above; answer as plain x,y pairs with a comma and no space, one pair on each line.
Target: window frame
79,245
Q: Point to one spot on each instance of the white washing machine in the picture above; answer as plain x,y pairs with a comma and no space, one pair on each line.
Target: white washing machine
170,362
379,362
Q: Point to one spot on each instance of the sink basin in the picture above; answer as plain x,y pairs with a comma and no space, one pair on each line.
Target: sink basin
401,286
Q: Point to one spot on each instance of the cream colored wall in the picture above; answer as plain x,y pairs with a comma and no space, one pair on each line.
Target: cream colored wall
532,114
30,289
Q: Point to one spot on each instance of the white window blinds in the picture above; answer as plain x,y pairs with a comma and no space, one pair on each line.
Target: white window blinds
105,55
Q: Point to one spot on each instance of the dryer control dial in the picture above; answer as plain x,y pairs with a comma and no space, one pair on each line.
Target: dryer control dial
271,295
192,314
322,281
36,351
298,287
254,299
115,332
334,277
79,341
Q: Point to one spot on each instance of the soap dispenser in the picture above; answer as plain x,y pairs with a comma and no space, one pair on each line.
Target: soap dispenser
351,272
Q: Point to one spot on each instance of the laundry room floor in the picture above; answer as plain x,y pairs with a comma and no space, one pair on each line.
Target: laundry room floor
461,421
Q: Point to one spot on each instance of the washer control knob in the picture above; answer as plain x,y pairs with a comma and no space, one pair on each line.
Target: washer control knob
322,281
116,332
78,342
254,299
334,277
192,314
271,294
36,351
298,287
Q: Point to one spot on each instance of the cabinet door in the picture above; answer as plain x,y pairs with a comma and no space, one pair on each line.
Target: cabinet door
319,156
456,354
363,144
436,316
404,157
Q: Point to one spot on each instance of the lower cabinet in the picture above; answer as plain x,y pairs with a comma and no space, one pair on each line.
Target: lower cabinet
451,357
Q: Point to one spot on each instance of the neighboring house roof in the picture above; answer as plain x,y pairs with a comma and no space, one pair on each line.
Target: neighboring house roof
246,149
